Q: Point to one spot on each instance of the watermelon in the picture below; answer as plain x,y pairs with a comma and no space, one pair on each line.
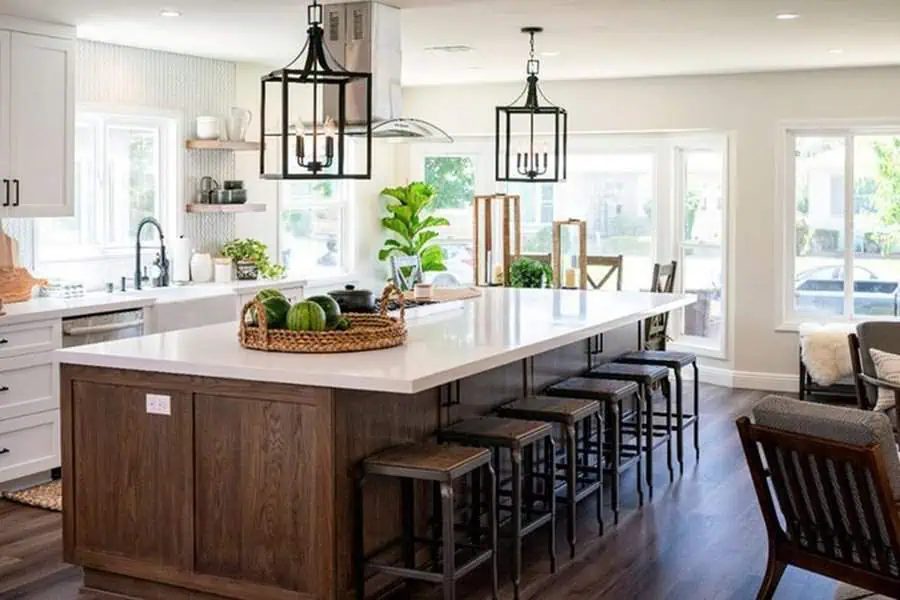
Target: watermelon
331,308
277,308
262,295
275,312
306,316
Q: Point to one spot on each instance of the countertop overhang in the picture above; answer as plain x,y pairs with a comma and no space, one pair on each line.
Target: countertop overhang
501,327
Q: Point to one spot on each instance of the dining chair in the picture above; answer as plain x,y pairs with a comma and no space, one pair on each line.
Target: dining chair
877,335
613,266
827,479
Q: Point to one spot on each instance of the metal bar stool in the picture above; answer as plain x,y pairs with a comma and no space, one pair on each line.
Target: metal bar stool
519,438
582,480
675,361
443,465
610,393
646,376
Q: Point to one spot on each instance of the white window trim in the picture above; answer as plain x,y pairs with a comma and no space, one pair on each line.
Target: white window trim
171,175
785,205
348,242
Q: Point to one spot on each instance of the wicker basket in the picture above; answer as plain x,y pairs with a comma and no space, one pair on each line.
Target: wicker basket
366,332
17,284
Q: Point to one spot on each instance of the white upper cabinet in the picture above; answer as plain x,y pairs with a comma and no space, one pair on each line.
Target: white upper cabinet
37,124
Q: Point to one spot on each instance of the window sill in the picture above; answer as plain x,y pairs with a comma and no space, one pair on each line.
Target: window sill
794,326
685,345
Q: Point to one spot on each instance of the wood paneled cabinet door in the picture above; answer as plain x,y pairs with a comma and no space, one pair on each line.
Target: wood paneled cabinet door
37,125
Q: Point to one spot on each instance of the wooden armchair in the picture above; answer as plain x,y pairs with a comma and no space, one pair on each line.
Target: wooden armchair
833,475
881,335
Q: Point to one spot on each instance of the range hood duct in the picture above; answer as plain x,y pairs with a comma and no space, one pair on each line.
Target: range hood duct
365,37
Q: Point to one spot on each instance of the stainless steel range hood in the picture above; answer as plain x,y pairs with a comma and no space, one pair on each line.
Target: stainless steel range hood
365,36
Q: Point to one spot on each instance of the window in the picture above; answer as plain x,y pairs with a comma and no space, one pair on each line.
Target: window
700,194
631,190
124,171
844,223
312,239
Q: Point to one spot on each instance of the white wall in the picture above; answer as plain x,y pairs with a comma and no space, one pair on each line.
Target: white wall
366,209
750,107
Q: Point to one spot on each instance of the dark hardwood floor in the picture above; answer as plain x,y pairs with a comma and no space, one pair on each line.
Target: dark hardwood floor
701,538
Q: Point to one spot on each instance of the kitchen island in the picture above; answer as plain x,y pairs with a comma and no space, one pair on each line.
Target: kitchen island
193,468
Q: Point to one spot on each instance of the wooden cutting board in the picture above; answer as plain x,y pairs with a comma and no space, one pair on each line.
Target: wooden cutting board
448,294
8,252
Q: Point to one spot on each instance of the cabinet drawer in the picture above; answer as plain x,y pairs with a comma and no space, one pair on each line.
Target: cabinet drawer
30,338
28,385
29,445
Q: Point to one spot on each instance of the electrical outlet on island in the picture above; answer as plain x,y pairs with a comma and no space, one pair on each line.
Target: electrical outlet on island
159,405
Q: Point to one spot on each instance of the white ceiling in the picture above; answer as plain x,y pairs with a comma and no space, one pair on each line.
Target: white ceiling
594,38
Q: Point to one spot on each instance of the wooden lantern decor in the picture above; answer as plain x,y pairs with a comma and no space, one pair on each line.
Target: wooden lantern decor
498,237
570,255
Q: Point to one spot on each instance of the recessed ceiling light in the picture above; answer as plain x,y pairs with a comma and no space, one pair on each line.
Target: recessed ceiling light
550,53
168,12
787,16
836,51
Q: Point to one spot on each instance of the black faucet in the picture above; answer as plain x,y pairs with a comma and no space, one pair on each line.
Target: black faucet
163,262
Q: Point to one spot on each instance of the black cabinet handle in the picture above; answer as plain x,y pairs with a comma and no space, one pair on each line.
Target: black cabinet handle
4,388
5,451
3,341
16,182
6,183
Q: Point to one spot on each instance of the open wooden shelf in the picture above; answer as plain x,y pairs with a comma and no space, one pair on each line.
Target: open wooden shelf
225,208
222,145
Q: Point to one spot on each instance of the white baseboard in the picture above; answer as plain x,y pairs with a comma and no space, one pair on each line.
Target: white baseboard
747,380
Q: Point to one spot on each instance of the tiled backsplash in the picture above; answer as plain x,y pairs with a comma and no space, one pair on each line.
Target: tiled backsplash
122,77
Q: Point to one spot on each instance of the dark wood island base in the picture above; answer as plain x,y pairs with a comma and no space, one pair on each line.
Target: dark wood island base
244,491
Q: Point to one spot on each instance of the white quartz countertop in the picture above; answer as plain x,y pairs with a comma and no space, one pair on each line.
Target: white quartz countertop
100,302
503,326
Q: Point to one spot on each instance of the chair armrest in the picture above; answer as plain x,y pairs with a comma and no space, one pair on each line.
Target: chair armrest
880,383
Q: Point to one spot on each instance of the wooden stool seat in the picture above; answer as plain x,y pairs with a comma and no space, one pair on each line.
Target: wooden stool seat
664,358
496,431
431,462
565,411
639,373
593,389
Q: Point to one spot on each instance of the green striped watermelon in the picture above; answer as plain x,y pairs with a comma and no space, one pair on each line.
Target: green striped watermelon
306,316
276,314
331,308
267,293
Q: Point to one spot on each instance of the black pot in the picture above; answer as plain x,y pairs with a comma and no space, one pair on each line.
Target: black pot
353,300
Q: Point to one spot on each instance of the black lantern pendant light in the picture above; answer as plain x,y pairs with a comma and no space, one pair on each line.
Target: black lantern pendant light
531,137
310,106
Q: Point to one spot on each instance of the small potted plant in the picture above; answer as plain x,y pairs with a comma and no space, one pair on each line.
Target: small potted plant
251,260
529,273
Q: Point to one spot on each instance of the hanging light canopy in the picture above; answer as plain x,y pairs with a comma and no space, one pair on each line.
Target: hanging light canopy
308,105
531,136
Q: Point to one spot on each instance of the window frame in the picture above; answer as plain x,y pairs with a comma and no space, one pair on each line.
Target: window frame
721,144
105,248
346,191
789,319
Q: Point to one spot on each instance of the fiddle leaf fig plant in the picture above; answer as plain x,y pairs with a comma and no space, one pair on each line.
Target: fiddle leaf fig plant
413,229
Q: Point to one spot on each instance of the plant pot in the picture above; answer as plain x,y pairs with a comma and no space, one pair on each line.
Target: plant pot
246,270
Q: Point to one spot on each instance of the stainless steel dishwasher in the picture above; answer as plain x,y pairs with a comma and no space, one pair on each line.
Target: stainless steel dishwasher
102,327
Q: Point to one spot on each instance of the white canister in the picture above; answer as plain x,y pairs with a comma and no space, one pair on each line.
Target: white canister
208,128
201,267
223,270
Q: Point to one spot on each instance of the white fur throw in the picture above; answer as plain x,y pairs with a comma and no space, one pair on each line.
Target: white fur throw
825,351
887,367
